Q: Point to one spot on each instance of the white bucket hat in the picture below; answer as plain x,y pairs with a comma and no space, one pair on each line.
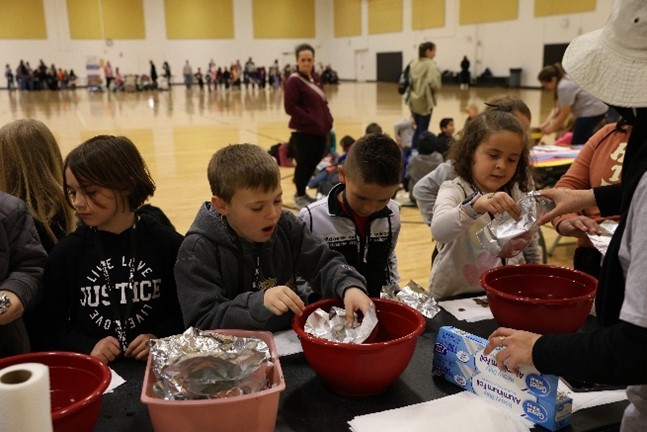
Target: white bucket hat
611,63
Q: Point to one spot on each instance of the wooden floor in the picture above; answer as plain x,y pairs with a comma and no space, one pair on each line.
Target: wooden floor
177,131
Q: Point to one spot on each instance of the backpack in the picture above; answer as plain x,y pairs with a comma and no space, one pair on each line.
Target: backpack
404,82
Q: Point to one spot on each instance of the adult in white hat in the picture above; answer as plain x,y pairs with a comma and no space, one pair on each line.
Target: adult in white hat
611,64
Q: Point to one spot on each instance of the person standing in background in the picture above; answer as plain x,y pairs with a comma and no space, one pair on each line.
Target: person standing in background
425,80
107,71
167,72
8,73
188,75
464,77
153,75
587,110
310,120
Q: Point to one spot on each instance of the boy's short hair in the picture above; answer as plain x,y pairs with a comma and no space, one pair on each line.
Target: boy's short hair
240,166
375,159
346,142
445,122
428,143
373,128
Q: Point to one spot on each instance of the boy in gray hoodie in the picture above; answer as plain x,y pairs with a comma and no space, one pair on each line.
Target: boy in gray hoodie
238,263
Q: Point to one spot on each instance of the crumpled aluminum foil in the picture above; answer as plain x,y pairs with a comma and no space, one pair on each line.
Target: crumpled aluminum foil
505,237
412,295
207,365
332,325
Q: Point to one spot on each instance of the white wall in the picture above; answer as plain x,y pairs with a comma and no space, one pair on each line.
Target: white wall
499,46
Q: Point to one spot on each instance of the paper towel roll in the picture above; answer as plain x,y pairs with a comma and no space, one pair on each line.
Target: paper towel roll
24,398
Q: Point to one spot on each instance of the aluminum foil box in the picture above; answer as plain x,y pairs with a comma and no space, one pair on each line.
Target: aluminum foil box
458,357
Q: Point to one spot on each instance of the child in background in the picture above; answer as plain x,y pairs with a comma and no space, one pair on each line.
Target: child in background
358,218
238,263
373,128
446,135
430,155
109,286
328,177
472,110
31,168
491,159
21,269
403,132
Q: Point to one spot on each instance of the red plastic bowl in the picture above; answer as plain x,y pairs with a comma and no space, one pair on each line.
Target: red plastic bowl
369,368
77,382
539,298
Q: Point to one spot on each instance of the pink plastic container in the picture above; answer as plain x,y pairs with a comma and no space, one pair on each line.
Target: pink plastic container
253,412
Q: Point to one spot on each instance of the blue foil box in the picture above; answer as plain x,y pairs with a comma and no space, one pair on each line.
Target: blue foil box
458,357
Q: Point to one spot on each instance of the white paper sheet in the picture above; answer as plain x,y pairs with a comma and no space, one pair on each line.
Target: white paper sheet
287,342
115,382
470,309
460,412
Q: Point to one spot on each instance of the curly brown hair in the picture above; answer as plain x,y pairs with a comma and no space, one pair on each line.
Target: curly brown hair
477,131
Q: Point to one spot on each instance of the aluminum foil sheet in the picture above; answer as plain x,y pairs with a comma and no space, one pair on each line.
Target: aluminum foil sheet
207,365
412,295
505,237
332,325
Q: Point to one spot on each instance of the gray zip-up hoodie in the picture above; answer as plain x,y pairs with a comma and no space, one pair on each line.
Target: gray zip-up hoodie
220,277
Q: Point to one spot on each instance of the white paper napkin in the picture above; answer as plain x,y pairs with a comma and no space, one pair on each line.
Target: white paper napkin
468,309
582,400
460,412
115,381
287,342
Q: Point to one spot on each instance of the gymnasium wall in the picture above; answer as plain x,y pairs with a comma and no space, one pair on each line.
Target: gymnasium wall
346,34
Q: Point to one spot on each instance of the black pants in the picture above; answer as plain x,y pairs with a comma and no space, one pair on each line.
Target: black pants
588,260
309,151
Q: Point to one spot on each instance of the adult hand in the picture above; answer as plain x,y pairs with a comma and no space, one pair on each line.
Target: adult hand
497,203
578,226
107,349
139,347
354,299
280,299
517,348
15,309
567,201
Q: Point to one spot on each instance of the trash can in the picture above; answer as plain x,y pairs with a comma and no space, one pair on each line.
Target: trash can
515,78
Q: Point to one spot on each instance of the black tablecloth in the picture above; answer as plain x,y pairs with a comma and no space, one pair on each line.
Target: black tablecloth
306,405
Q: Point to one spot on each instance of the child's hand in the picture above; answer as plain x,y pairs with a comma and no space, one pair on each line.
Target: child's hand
139,347
497,203
280,299
355,298
15,309
107,349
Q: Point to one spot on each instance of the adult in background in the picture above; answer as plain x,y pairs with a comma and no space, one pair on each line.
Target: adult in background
611,64
153,74
310,120
167,72
425,80
587,110
464,77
